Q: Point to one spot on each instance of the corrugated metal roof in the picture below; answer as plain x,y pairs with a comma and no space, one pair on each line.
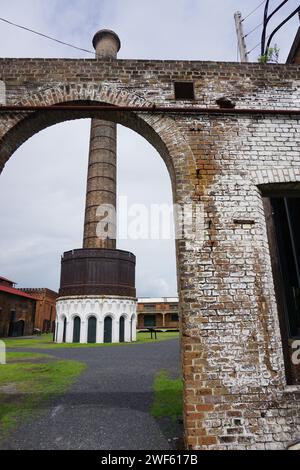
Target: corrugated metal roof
13,291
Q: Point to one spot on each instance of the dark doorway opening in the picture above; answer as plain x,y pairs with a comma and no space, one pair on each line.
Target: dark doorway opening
92,330
76,330
108,330
65,329
122,330
46,326
16,328
283,224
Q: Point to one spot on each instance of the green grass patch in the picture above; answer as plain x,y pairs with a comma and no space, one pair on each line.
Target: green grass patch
26,386
145,336
46,341
25,356
168,398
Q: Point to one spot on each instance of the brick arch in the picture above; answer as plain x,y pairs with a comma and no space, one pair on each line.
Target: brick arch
272,176
159,130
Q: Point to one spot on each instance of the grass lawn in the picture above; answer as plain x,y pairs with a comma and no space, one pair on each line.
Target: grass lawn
46,341
168,399
24,356
28,381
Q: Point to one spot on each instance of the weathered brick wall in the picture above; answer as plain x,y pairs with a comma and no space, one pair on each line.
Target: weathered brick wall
45,307
235,387
24,309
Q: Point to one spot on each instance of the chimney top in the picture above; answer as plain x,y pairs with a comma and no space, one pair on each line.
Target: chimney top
106,43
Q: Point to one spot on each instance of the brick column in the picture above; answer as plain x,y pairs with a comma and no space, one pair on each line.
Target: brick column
102,169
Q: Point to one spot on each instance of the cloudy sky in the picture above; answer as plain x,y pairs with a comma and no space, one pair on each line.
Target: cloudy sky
42,186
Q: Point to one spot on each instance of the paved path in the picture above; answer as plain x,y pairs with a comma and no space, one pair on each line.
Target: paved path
108,406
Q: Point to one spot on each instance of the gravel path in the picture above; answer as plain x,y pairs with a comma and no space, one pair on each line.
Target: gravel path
108,406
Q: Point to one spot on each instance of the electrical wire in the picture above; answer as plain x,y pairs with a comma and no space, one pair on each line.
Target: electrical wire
255,47
265,22
47,37
253,11
252,30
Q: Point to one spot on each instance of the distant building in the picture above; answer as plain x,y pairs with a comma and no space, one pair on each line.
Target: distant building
17,310
45,308
160,312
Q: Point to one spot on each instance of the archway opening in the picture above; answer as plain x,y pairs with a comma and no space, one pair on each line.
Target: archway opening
76,329
16,328
122,330
107,330
92,330
66,232
64,330
134,126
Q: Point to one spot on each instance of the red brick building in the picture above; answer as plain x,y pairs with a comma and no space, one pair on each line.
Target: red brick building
161,312
17,310
45,308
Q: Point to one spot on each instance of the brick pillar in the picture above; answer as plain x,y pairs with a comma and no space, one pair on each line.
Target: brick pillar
102,168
